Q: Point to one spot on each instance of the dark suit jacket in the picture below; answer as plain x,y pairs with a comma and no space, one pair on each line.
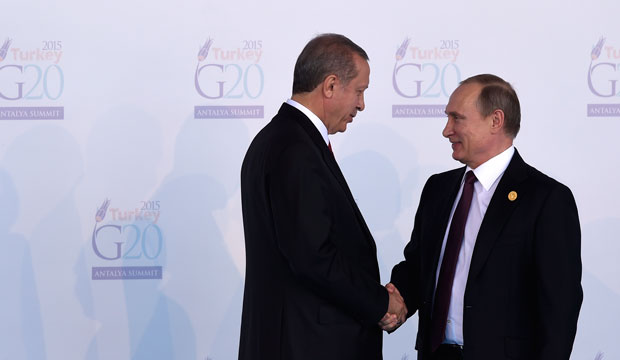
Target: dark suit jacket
312,287
523,291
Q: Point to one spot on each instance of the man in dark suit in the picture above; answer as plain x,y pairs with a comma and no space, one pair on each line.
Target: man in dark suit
312,287
493,266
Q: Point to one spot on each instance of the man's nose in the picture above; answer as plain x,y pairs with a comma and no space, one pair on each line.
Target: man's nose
361,105
447,130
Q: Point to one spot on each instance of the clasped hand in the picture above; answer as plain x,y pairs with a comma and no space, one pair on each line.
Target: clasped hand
397,310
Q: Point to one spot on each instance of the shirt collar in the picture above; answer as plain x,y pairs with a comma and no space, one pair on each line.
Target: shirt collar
315,119
492,169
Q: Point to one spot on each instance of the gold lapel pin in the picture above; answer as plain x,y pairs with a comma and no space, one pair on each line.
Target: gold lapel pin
512,196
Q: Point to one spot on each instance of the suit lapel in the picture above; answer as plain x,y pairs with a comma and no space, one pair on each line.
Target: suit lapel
328,157
335,169
499,211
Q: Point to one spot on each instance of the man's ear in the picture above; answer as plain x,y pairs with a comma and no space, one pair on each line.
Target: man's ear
497,121
328,86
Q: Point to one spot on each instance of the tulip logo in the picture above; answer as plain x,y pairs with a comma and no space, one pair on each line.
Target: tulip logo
402,50
596,50
204,50
103,209
5,49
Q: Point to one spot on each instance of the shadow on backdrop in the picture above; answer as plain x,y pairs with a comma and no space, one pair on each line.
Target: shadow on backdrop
202,276
52,169
21,333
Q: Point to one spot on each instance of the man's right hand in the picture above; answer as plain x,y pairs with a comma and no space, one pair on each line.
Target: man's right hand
397,310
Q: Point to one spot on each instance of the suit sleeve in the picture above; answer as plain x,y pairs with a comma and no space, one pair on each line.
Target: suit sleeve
558,270
299,195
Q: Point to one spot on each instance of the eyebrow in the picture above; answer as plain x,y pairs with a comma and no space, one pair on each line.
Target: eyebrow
453,113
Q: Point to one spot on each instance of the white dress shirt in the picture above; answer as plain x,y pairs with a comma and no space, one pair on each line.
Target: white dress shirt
315,119
488,175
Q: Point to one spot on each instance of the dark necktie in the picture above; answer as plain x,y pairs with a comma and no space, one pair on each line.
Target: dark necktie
448,264
329,145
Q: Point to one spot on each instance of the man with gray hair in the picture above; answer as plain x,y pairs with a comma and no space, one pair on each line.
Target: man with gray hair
312,287
493,266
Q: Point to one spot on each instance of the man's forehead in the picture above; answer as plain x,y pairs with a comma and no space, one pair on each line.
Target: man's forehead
361,65
468,90
465,93
363,73
462,97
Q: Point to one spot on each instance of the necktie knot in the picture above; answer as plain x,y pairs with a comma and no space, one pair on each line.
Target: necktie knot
470,177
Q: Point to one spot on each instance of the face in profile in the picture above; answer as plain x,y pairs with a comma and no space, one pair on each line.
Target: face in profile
347,99
468,131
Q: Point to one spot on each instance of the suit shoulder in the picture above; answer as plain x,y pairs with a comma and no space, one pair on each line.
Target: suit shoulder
450,174
440,184
279,132
446,177
543,180
549,188
282,139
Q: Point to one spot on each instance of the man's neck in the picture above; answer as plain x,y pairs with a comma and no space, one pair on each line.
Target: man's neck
312,102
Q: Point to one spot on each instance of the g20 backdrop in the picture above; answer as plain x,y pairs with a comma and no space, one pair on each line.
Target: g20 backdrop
124,124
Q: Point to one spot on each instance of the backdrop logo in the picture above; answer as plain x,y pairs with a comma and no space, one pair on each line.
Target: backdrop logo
231,75
31,81
5,49
425,76
603,76
132,236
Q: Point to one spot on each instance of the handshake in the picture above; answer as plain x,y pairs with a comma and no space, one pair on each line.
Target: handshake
397,310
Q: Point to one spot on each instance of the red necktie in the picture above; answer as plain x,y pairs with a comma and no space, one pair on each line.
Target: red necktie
329,145
443,291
